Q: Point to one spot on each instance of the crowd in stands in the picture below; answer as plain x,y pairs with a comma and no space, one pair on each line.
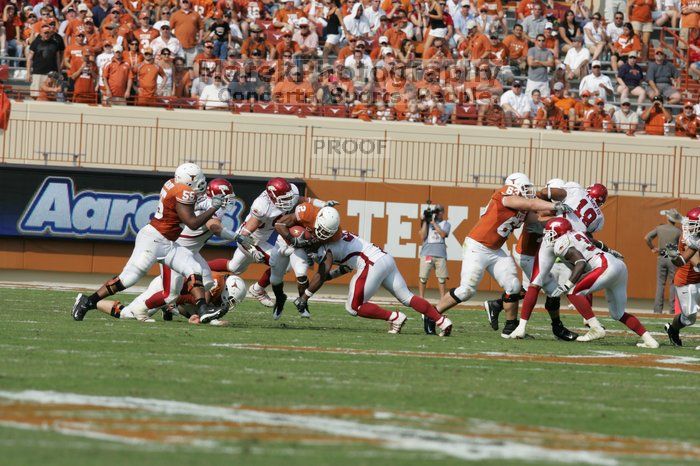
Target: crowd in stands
530,63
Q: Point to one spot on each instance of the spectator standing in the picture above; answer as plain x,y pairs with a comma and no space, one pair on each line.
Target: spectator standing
85,81
665,234
534,24
639,14
12,24
165,40
613,8
690,17
219,32
145,34
662,77
596,83
433,254
214,95
656,117
187,26
165,61
100,12
182,80
624,119
539,59
577,59
206,60
44,56
630,78
118,78
687,122
148,74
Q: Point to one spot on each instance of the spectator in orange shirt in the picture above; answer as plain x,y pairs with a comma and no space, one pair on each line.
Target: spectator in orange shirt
597,119
74,53
517,46
550,116
118,78
287,15
687,122
628,43
478,45
565,102
182,81
145,34
293,91
581,109
395,34
639,14
76,25
655,117
550,40
525,7
206,59
188,27
256,42
148,74
498,53
85,81
690,17
49,88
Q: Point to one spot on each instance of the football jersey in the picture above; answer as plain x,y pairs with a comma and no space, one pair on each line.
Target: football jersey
528,243
348,249
195,240
166,220
587,215
687,275
578,241
267,213
219,284
305,214
498,222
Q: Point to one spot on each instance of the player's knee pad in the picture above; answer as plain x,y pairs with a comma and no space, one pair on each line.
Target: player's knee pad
441,280
423,280
462,293
115,284
512,286
193,281
688,319
303,280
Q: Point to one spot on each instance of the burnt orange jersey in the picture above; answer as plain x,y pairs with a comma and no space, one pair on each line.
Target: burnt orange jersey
685,275
305,214
219,285
498,222
166,220
528,243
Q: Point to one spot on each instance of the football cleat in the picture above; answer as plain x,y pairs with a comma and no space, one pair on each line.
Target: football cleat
445,327
168,313
653,344
80,307
428,325
305,314
218,323
493,308
261,296
210,314
279,307
595,333
509,328
673,335
563,333
396,324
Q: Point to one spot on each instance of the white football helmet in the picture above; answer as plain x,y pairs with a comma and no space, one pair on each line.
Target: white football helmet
522,185
191,175
234,291
327,223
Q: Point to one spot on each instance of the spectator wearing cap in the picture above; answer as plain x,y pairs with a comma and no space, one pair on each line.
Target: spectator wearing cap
583,105
597,83
356,23
639,14
624,119
597,119
498,53
564,101
286,47
287,15
50,88
687,122
551,41
495,10
306,38
559,76
92,35
44,56
373,13
577,59
101,61
517,47
187,26
256,44
100,11
214,95
145,34
476,47
73,54
206,60
516,106
630,78
665,234
538,60
84,80
460,20
550,116
662,77
111,34
534,24
148,74
595,37
656,116
220,33
614,29
627,43
69,15
77,23
118,78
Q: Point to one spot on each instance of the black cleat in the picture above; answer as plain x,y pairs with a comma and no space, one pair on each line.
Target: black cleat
428,325
210,314
167,314
509,327
563,333
279,307
673,335
80,307
493,308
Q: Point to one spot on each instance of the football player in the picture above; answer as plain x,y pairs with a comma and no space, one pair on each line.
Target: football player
373,268
156,243
482,249
165,288
592,269
279,198
687,278
227,291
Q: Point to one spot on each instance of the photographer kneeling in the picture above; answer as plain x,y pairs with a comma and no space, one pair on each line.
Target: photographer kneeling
433,229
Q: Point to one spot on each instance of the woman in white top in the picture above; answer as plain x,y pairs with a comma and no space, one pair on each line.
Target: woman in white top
595,37
165,60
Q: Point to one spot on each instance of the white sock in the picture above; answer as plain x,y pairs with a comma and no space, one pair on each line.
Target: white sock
257,288
647,337
593,322
394,315
522,324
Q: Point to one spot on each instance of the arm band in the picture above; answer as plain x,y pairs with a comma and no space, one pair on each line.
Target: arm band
580,260
308,293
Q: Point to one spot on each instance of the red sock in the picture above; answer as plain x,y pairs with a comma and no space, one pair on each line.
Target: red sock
425,308
529,301
633,324
218,265
265,278
157,300
589,298
582,305
372,311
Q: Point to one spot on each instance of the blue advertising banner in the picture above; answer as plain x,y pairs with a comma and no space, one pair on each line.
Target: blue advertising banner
87,204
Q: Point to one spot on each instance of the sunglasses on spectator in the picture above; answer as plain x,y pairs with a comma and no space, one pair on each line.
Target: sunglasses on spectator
148,54
165,13
165,54
287,55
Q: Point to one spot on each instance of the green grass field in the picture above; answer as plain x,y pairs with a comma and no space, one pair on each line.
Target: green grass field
334,390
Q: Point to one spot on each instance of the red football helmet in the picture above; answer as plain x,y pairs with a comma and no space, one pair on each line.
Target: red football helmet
691,223
221,187
598,192
555,228
281,194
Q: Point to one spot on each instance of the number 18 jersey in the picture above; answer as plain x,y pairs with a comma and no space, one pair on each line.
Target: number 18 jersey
498,222
586,215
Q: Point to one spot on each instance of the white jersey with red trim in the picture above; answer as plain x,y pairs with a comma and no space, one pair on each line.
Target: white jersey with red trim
580,242
348,249
267,213
587,215
194,240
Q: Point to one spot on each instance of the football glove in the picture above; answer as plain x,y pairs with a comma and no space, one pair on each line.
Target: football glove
258,256
331,203
299,242
217,201
246,241
560,208
562,289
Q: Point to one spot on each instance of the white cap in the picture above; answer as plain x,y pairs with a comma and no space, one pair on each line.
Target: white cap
164,23
303,21
595,63
558,86
465,3
83,7
387,50
548,25
383,40
471,24
118,48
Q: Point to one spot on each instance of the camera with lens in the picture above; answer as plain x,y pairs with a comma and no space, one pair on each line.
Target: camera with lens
430,211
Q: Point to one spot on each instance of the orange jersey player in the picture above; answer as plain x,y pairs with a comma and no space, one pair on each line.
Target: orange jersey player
687,279
155,243
482,249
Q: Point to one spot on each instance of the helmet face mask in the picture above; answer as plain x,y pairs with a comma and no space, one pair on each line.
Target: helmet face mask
691,223
281,194
221,187
522,185
598,192
234,292
555,229
191,175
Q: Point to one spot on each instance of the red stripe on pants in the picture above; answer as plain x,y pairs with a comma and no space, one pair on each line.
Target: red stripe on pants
588,280
358,296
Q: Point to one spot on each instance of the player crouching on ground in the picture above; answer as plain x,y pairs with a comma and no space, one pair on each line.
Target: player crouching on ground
687,278
373,268
592,270
228,292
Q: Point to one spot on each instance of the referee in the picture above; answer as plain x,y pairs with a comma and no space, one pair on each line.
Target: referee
433,254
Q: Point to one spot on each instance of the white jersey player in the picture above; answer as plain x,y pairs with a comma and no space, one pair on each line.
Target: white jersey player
592,270
586,214
373,268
